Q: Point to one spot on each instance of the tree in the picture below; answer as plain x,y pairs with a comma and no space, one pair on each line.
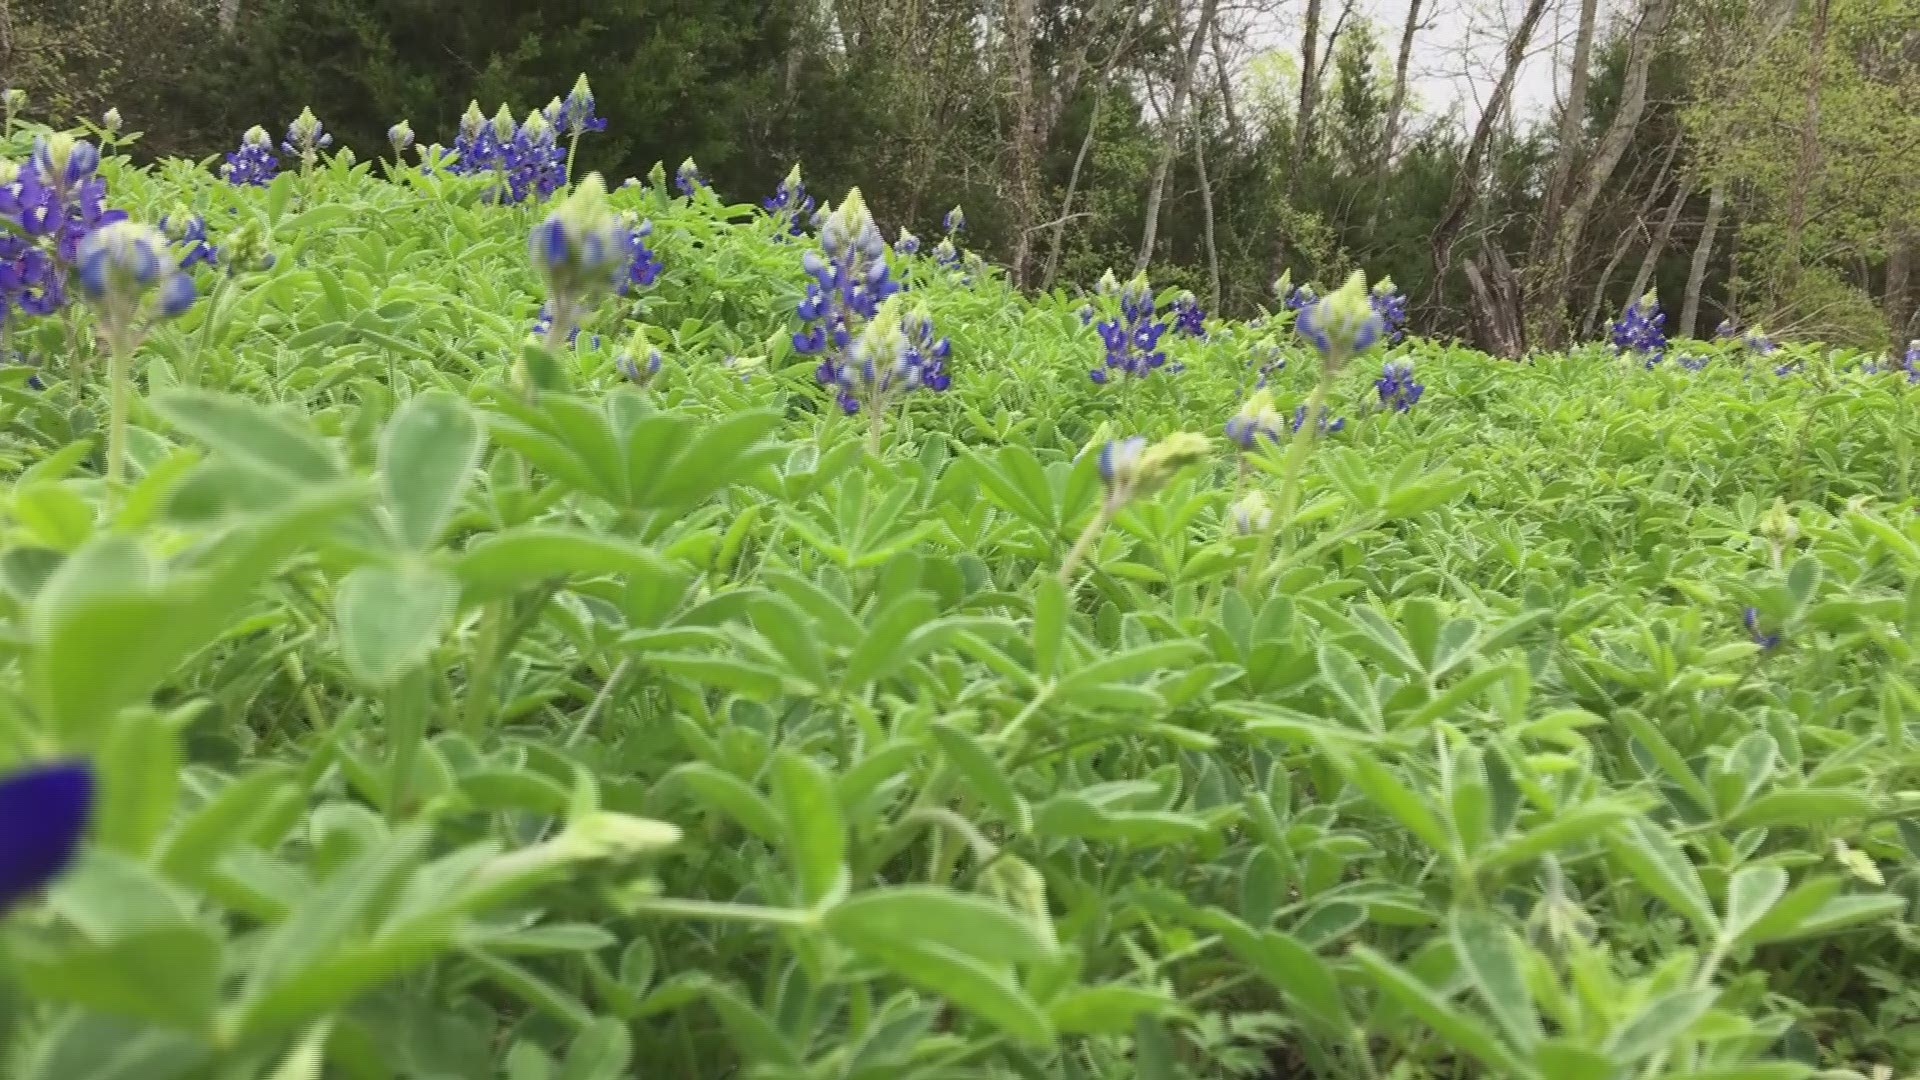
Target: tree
1170,140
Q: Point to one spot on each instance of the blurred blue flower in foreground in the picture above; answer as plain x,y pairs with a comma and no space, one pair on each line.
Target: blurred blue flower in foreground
1326,426
1256,421
45,810
1751,619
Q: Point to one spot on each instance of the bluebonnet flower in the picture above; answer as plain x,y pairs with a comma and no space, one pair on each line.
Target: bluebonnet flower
14,101
1910,362
894,353
1790,367
1257,421
947,256
1130,468
1694,362
187,232
1250,514
643,266
790,204
1767,641
954,222
1391,305
110,122
907,244
254,163
1343,324
1297,298
48,208
123,264
639,362
1188,317
1757,341
1640,329
525,159
1325,426
1729,327
687,178
46,809
847,285
581,251
1398,390
400,136
1133,338
575,115
306,137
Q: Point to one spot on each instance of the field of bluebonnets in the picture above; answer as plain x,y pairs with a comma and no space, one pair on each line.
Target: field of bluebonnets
460,623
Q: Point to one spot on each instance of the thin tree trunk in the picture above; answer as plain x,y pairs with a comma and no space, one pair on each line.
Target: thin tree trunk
1702,254
1899,298
1650,261
1550,309
1176,116
1226,87
1466,186
1025,132
1073,186
1309,92
1333,44
1206,221
1809,162
1591,323
228,15
1573,117
1395,105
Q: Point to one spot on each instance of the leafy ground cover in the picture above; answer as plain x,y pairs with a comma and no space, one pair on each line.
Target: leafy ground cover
444,693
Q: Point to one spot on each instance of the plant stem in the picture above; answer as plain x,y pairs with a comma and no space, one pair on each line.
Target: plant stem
1296,460
117,384
1082,545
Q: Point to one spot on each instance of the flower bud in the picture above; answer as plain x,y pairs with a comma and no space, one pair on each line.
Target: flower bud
640,362
9,172
110,123
256,136
1250,514
955,220
1777,524
503,125
245,250
15,101
1130,468
306,134
472,121
64,161
687,177
1108,284
346,157
1343,323
1256,420
121,264
536,127
400,136
580,248
907,244
1283,285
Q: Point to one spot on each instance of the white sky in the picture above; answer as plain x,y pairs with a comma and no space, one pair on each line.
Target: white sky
1457,51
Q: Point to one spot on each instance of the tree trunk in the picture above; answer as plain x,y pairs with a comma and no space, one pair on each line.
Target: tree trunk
1590,324
1073,186
1573,117
1550,310
1899,298
1809,162
1025,132
1395,105
1176,117
1702,254
1226,87
1661,236
1466,186
1309,92
1498,328
1206,221
228,15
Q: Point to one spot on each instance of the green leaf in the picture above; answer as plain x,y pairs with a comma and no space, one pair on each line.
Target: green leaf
1460,1030
1104,1010
732,796
1561,1059
753,1035
427,456
1758,1070
785,628
169,976
816,834
252,435
972,925
965,980
1491,960
602,1052
1122,666
1154,1054
139,771
1049,625
508,561
1805,807
1839,913
1350,685
1663,868
1289,966
392,619
986,780
1659,1022
1751,893
1385,791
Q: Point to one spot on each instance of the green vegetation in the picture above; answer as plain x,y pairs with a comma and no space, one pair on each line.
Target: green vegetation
461,702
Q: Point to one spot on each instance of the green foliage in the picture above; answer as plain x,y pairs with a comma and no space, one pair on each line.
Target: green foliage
446,728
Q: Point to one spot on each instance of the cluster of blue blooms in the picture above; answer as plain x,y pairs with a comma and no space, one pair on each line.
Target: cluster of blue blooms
687,179
254,163
1391,305
48,207
850,287
525,159
1132,338
1396,385
1641,330
1188,317
793,207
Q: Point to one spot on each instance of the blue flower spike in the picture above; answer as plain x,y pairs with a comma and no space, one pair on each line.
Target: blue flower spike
1396,385
44,811
1256,422
400,137
1344,324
